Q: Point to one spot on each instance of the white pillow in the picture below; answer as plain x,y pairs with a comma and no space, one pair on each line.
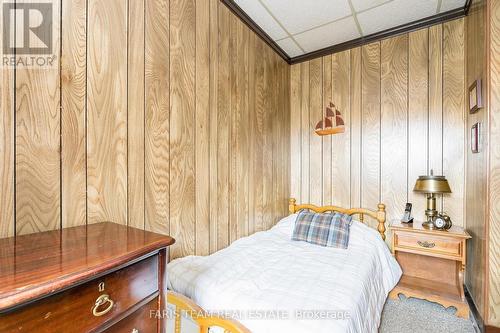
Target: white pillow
286,224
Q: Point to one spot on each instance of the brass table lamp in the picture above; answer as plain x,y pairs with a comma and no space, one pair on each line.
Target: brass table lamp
431,185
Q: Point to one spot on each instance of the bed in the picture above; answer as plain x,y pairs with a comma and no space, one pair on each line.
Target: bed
273,284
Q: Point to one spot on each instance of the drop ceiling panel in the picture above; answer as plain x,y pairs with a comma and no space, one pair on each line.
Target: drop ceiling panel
299,15
263,18
303,26
330,34
290,47
395,13
360,5
447,5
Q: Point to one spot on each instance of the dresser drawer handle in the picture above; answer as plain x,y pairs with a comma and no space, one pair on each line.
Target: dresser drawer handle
426,244
101,300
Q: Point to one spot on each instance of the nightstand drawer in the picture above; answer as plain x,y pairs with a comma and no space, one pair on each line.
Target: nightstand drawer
428,243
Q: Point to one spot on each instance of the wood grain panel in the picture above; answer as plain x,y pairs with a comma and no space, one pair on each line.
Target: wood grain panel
157,117
295,131
73,113
341,171
316,113
136,113
267,141
258,140
107,111
326,141
241,122
435,160
202,120
394,123
494,168
38,182
418,115
454,118
356,119
152,94
182,125
251,130
213,87
7,142
223,129
306,132
284,147
476,168
370,96
233,116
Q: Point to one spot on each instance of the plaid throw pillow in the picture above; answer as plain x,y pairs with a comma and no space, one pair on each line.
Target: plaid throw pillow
330,230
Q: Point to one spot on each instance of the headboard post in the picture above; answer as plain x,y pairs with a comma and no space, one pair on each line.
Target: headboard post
381,220
291,205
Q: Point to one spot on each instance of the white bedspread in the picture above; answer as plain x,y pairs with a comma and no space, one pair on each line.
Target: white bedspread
266,272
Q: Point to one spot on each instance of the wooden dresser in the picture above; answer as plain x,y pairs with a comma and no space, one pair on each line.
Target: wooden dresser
102,277
433,264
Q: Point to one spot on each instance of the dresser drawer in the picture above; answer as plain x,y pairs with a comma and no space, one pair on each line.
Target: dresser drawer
75,310
428,243
142,320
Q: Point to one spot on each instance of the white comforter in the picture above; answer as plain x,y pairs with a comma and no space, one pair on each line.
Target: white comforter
266,272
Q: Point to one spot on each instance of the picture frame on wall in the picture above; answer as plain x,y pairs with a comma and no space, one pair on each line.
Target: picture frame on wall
475,96
474,137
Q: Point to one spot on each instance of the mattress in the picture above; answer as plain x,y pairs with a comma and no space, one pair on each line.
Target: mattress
273,284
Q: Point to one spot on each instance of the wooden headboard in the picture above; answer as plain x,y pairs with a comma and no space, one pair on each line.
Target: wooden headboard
378,214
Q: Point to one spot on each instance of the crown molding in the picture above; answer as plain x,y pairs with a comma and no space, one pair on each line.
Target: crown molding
402,29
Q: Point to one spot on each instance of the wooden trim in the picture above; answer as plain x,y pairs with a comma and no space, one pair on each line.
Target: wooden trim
404,28
199,316
255,28
468,3
492,329
476,316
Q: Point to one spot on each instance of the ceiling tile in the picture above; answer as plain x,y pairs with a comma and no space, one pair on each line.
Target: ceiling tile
394,14
300,15
261,16
289,46
360,5
328,35
447,5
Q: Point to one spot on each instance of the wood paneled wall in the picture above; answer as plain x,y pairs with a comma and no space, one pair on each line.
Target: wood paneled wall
402,100
168,115
476,173
493,272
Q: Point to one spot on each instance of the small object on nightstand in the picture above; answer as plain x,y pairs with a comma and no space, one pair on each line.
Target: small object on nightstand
407,215
442,221
433,264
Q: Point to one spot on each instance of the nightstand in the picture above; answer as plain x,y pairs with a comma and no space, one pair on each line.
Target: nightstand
433,264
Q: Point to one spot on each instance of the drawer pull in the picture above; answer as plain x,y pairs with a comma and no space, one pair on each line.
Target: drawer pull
101,300
426,244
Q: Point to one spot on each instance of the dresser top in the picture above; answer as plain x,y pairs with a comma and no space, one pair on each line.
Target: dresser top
35,265
417,227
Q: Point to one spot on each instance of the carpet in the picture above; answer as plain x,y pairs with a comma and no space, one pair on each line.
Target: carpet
419,316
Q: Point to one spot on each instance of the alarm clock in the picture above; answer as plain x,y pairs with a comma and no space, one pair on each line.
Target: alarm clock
442,221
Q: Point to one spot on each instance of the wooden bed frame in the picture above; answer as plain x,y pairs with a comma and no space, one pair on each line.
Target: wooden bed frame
378,215
202,319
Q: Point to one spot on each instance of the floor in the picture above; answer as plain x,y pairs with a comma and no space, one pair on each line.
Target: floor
418,316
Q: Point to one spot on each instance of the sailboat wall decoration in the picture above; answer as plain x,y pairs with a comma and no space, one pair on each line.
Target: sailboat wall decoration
332,123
